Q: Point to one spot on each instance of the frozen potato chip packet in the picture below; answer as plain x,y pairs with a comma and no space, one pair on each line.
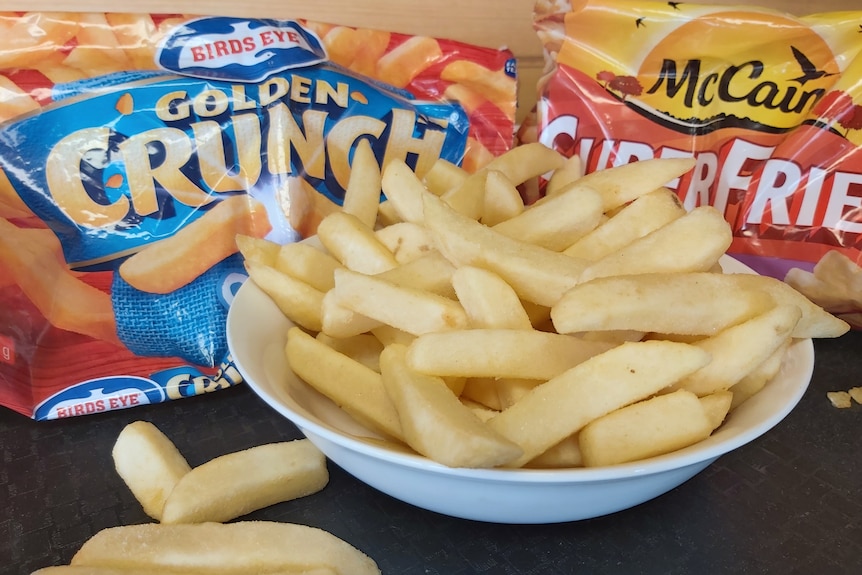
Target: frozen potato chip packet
134,148
768,103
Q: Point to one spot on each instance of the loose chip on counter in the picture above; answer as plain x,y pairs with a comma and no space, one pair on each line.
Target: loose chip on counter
236,484
227,549
150,465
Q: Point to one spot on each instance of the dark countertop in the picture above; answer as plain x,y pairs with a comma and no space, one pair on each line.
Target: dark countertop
788,503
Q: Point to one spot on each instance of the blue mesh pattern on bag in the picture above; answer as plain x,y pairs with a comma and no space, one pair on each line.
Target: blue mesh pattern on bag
188,323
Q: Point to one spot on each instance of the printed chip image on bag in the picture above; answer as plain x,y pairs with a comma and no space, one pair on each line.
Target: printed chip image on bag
769,103
134,148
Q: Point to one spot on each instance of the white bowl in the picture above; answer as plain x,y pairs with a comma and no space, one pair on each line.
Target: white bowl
257,332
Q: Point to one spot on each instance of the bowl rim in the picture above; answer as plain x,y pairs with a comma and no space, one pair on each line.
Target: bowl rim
801,353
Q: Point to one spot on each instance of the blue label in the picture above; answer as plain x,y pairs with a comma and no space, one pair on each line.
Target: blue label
126,160
239,50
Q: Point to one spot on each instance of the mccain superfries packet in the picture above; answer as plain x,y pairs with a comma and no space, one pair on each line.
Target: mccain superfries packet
135,147
770,104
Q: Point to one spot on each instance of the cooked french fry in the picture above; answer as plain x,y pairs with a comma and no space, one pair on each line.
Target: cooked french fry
676,303
354,244
635,220
556,222
433,420
758,377
645,429
86,570
340,322
257,250
488,300
354,387
364,348
565,454
309,264
527,161
815,321
565,176
622,184
444,176
412,310
739,349
297,300
235,484
505,353
716,406
536,274
618,377
431,272
407,241
691,243
362,195
404,191
226,548
502,200
149,464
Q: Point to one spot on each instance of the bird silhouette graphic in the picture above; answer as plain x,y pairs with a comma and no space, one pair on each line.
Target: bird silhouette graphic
809,70
639,22
674,5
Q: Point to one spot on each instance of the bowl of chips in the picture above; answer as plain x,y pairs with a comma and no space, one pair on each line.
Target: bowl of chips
258,336
516,363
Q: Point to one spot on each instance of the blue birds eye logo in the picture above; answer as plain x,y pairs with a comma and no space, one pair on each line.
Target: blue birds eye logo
237,49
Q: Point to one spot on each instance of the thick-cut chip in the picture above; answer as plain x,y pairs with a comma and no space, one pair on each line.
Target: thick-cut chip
235,484
355,388
536,274
622,184
502,200
226,548
556,222
83,570
444,176
339,321
499,353
716,406
740,349
433,420
404,191
488,300
759,376
606,382
527,161
566,454
364,348
297,300
362,195
431,272
469,198
815,321
565,176
257,249
354,244
645,429
691,243
635,220
149,464
308,263
675,303
407,241
412,310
